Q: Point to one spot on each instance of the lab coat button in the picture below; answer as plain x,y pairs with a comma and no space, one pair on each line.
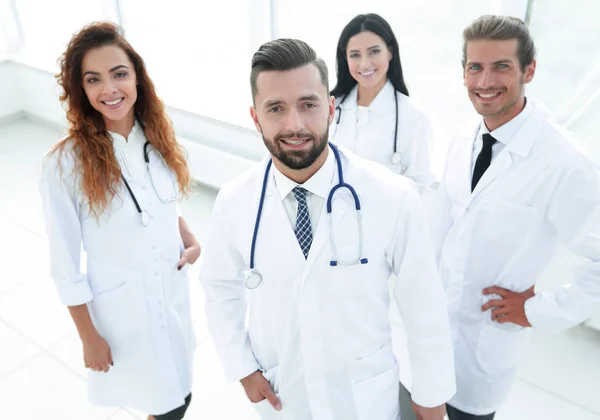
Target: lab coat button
156,273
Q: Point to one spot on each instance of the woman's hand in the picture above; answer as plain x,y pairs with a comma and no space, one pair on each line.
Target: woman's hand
189,256
192,247
96,353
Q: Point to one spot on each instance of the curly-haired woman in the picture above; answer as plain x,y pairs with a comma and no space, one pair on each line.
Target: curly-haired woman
110,189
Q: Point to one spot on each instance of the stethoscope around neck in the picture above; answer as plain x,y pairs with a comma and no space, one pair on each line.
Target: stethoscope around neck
254,278
144,215
396,156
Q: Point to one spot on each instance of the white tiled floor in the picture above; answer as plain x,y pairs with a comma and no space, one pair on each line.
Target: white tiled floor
41,371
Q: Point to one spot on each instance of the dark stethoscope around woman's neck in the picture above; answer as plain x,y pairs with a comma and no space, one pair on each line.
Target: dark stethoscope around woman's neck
144,216
396,156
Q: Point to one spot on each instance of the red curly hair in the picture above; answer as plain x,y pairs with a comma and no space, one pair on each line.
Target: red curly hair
95,161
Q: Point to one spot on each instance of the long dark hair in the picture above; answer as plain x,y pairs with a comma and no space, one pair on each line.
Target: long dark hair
374,23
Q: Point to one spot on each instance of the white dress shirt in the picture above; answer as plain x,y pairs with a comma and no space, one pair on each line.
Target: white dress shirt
502,134
317,187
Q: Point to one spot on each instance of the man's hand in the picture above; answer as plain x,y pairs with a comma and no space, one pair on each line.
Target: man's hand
258,388
433,413
511,308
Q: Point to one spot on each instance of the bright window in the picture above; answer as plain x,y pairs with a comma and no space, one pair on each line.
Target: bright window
47,27
197,53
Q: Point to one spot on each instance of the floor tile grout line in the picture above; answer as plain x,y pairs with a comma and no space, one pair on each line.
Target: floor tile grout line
21,226
42,349
560,397
14,287
129,412
116,412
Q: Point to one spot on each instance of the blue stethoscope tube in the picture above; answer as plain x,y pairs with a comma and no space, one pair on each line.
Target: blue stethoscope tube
254,278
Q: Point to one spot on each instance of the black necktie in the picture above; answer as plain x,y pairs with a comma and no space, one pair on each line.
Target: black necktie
483,160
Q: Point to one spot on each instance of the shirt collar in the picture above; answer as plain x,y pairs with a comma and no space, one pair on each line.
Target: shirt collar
506,132
135,136
318,184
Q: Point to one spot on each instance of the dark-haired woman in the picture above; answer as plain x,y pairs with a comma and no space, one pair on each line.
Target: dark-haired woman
374,116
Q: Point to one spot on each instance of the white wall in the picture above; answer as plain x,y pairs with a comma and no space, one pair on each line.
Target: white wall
39,94
217,151
10,94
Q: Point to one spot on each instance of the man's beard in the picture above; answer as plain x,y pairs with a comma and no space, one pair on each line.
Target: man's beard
297,159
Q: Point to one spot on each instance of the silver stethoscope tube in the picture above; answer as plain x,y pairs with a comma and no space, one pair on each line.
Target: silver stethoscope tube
175,195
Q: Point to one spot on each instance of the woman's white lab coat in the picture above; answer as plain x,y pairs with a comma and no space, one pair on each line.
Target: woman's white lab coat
373,136
540,191
138,300
320,333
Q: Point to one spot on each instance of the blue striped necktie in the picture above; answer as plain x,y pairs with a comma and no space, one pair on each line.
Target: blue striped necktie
303,228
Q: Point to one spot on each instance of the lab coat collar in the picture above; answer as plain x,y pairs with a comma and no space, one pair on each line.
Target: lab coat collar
318,184
380,105
510,131
350,99
383,104
521,145
135,136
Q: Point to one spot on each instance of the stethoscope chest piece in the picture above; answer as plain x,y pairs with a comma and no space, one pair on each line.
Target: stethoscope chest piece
396,158
253,279
145,218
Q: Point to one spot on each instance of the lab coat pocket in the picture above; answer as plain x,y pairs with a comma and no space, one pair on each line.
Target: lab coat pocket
500,350
266,410
509,222
180,286
181,306
375,385
120,311
264,407
353,279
